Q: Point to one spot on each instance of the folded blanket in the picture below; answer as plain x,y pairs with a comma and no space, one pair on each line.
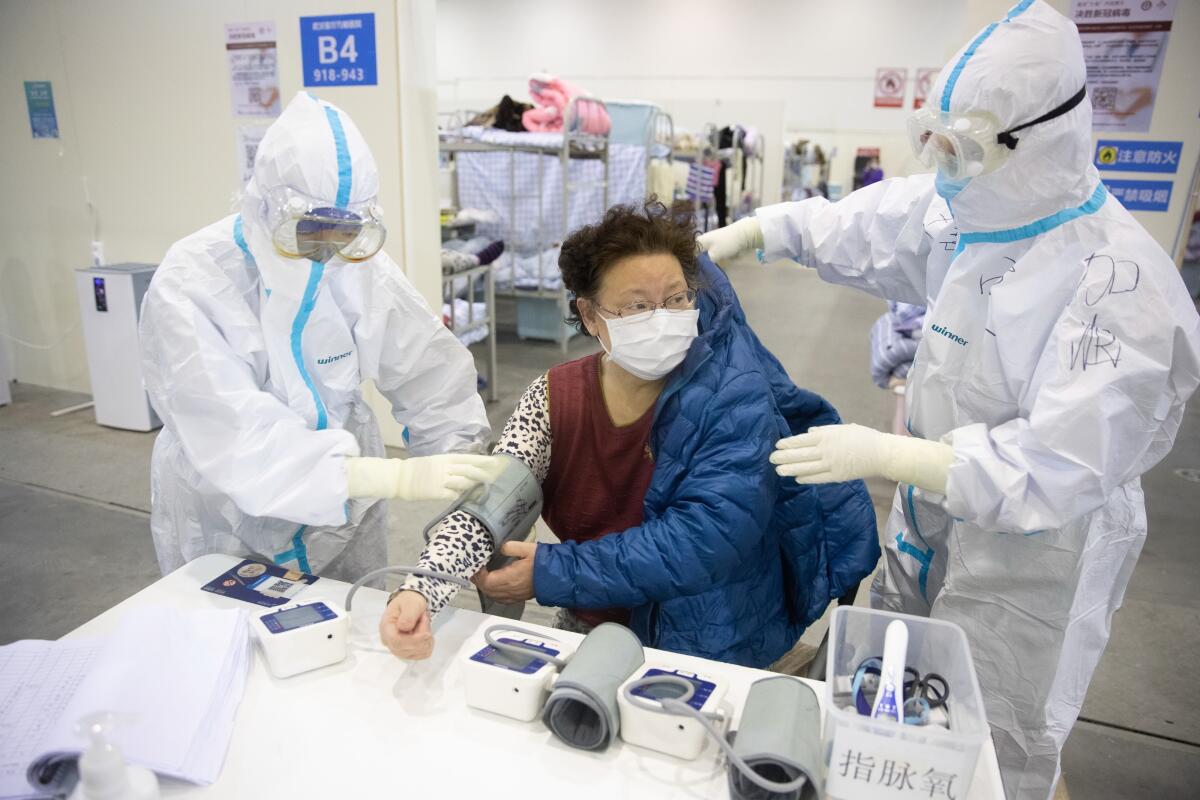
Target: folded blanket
552,96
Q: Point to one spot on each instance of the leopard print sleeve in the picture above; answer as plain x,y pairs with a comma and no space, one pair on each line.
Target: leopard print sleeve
461,545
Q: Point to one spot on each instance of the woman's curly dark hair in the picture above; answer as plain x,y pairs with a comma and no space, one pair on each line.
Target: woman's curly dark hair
627,230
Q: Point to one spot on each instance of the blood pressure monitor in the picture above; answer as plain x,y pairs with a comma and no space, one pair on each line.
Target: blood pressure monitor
302,636
511,684
645,725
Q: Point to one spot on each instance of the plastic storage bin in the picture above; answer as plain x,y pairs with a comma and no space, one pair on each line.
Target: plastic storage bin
542,318
867,758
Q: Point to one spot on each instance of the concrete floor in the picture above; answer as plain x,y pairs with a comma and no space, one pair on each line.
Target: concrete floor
74,536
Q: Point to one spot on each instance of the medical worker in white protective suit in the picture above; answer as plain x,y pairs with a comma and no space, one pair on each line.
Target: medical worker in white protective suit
1059,349
256,333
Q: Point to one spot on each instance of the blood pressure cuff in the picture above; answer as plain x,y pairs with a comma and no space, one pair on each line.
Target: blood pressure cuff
779,736
507,507
582,708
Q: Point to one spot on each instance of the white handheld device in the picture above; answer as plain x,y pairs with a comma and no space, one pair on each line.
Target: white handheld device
643,722
302,636
889,702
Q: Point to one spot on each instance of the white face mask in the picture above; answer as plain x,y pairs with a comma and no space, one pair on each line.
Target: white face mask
650,345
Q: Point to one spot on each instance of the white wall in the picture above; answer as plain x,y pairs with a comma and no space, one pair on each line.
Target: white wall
784,66
141,89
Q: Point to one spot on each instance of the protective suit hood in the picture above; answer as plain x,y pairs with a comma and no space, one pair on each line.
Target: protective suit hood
1018,69
313,148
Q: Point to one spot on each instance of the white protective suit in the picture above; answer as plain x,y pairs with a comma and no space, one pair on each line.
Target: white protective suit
1058,351
253,361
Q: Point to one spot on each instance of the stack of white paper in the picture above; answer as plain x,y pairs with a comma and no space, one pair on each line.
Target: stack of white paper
174,679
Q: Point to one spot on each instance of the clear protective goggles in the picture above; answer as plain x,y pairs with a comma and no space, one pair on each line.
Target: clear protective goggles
971,144
960,145
302,227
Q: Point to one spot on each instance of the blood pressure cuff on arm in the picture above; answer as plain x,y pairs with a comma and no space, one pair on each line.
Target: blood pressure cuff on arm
582,708
507,507
779,736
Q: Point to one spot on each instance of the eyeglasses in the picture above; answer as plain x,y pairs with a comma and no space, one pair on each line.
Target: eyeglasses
680,301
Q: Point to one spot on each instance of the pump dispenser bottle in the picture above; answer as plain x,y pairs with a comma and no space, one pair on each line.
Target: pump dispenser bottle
103,773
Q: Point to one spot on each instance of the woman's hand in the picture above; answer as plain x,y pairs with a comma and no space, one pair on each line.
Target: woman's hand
405,627
512,583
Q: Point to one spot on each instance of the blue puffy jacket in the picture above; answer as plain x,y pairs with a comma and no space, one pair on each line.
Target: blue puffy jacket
731,562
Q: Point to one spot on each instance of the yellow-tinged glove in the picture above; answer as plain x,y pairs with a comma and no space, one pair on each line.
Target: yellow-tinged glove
440,477
743,236
834,453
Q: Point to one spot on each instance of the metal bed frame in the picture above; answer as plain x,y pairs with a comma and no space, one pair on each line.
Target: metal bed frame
488,321
575,145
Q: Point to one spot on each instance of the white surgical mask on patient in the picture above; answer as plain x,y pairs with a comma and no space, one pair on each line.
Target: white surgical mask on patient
650,345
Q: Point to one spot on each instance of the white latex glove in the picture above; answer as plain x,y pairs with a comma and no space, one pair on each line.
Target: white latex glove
834,453
743,236
441,477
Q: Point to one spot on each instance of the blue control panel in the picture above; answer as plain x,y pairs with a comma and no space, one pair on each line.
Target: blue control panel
525,666
666,691
292,618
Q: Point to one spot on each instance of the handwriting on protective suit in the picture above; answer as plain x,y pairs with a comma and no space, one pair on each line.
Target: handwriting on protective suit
1106,278
1096,346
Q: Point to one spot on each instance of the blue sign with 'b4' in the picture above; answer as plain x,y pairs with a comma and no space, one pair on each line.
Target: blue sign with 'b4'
338,50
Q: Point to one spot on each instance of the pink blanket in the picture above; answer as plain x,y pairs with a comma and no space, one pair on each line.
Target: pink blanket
551,96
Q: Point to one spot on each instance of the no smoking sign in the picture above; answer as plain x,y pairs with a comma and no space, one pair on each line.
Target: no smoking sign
889,87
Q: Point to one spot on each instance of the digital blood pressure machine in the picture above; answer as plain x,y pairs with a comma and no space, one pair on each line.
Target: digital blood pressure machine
643,722
522,674
303,636
511,675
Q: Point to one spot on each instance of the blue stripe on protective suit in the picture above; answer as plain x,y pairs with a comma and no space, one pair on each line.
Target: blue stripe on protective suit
299,551
343,157
345,181
923,557
317,269
240,239
1036,228
307,303
952,80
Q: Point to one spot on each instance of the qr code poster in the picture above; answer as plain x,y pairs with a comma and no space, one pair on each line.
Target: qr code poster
1124,46
248,139
253,69
890,83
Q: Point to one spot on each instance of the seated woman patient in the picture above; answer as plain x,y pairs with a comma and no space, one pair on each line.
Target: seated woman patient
653,461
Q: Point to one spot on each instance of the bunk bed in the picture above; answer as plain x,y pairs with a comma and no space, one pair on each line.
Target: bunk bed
534,189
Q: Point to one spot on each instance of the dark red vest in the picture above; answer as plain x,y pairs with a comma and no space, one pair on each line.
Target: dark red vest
599,472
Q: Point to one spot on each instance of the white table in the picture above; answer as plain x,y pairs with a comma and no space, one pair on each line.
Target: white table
375,726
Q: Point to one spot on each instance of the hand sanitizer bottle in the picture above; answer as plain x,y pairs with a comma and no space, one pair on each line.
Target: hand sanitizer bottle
103,773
